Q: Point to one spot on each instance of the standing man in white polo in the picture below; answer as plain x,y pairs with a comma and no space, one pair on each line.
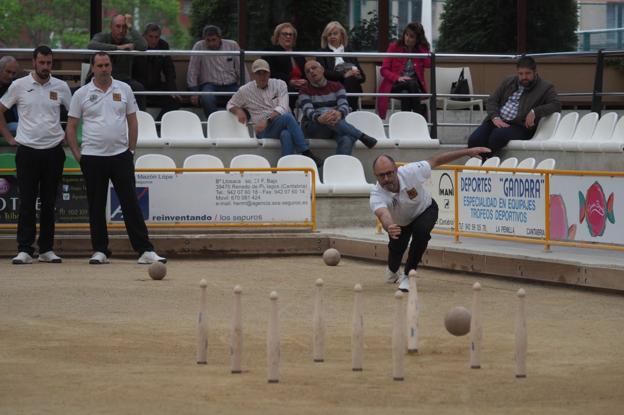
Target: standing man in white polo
109,136
40,157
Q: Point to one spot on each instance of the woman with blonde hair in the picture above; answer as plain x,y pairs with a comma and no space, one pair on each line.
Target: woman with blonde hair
345,70
406,75
288,68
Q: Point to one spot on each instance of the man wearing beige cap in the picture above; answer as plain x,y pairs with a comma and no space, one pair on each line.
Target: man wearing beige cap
265,99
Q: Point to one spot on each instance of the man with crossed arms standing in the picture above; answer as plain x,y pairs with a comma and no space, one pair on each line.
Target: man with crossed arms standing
40,157
109,136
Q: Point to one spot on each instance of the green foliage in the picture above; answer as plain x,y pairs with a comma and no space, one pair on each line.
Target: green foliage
489,26
215,12
364,36
65,23
309,18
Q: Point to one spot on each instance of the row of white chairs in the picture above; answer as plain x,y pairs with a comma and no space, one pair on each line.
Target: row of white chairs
511,163
342,174
574,133
184,129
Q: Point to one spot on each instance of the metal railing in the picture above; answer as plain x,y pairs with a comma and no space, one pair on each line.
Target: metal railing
596,94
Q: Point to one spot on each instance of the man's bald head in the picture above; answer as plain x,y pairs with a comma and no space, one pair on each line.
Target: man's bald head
8,69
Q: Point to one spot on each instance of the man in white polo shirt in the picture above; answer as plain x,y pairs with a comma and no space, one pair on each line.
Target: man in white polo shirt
109,136
405,208
40,157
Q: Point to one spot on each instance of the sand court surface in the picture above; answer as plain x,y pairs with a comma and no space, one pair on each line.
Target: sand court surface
77,339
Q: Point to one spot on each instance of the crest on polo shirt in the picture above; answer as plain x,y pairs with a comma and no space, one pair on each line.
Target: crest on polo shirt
53,95
412,193
93,98
116,96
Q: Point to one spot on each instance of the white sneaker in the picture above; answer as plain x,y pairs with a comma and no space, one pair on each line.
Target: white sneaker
404,283
392,277
98,258
50,256
22,258
149,257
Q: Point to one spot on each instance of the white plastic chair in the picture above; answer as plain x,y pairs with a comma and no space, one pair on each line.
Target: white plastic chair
370,124
545,130
202,161
246,161
564,132
181,128
491,162
225,130
616,141
584,129
345,175
410,130
147,134
155,161
546,164
603,132
298,160
444,79
472,162
509,163
527,163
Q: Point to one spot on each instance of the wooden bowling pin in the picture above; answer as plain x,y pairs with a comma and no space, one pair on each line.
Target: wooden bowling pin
476,327
202,326
521,336
398,338
412,314
318,324
357,334
273,341
236,345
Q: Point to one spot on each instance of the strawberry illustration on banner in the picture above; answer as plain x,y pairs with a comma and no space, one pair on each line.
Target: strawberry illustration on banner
596,209
559,229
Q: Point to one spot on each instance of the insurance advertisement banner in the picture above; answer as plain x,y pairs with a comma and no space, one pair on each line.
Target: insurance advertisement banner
585,208
506,204
252,197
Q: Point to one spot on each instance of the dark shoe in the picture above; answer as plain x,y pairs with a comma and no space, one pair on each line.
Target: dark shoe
368,141
317,160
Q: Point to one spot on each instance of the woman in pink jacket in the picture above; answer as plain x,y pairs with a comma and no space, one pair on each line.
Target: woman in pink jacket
405,75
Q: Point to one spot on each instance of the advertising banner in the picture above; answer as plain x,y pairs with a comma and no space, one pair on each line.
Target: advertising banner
252,197
507,204
71,202
442,190
585,208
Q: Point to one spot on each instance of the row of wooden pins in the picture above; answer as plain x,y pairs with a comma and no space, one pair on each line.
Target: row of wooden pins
273,336
476,332
402,340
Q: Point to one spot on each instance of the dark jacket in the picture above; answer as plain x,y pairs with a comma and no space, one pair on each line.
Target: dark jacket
149,70
540,97
122,64
281,66
329,63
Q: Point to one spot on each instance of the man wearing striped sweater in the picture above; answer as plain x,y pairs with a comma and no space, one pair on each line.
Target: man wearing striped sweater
324,105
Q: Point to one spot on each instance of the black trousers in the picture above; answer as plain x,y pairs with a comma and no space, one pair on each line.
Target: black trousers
419,231
411,104
119,169
495,138
38,175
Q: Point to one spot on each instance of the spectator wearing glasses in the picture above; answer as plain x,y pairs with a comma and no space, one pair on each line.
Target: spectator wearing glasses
405,208
289,69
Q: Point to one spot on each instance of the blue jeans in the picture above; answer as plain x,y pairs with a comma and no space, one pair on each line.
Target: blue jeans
12,126
344,133
290,134
495,138
209,102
